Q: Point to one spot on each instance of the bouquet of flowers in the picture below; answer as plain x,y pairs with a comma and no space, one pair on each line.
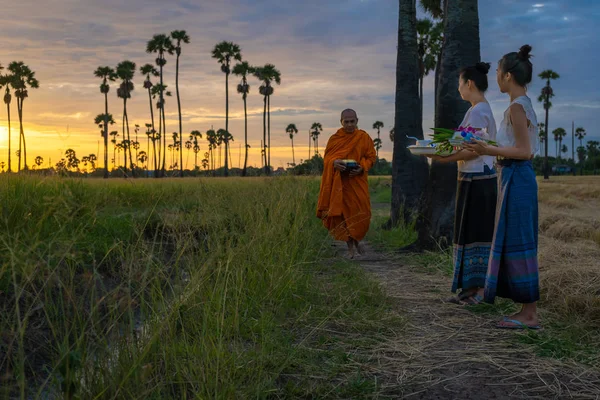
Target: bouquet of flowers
446,140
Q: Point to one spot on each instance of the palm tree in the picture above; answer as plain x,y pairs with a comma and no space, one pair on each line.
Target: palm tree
114,135
244,69
5,81
211,137
205,161
378,145
142,158
316,129
224,53
542,132
378,125
39,161
194,136
429,44
106,74
161,44
125,71
23,77
103,121
292,130
162,123
559,133
149,71
545,96
564,149
225,137
580,134
392,132
461,47
581,152
267,75
179,36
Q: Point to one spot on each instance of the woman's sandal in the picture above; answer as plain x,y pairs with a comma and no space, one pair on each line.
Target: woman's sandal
472,300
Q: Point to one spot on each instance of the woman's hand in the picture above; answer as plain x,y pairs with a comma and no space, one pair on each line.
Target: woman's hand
477,146
435,157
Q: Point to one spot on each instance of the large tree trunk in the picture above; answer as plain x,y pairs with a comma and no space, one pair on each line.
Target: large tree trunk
461,48
105,135
293,154
128,149
409,172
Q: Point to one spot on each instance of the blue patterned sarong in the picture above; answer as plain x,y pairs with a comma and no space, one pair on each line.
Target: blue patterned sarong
476,196
513,266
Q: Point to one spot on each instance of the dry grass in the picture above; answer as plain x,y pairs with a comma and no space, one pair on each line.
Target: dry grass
570,247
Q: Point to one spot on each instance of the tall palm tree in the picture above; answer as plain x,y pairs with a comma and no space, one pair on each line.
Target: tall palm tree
378,125
292,130
225,53
580,134
409,173
23,77
461,47
224,137
559,134
39,161
161,45
162,123
114,135
194,136
547,93
542,133
267,75
244,69
581,152
377,143
125,71
179,37
5,82
316,129
211,138
106,74
149,71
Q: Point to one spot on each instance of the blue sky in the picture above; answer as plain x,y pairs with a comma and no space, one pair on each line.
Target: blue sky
332,54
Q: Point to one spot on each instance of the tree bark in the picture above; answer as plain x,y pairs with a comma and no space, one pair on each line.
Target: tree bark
409,172
461,48
546,172
245,137
179,111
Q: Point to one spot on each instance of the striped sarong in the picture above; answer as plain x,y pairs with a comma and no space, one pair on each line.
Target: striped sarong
513,266
476,196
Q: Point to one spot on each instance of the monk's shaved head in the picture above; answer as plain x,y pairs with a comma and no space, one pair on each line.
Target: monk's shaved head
349,119
348,111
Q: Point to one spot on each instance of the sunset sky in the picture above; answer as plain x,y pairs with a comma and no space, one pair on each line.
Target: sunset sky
332,55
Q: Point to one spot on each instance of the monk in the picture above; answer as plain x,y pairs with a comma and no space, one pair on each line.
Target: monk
344,204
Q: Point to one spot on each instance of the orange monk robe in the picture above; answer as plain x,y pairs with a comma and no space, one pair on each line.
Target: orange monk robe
344,203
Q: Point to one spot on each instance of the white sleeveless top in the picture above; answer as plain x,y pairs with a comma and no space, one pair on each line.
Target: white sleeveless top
506,134
479,116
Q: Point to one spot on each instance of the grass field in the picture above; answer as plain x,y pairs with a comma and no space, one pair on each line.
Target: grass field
228,288
175,289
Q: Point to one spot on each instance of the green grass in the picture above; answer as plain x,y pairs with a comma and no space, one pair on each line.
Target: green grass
176,289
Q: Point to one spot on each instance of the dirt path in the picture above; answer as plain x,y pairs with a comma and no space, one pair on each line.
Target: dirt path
448,352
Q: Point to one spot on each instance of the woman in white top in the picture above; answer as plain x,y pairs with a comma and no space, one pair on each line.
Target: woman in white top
513,267
476,193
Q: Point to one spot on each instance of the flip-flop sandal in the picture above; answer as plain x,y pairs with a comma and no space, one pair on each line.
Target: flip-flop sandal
472,300
518,325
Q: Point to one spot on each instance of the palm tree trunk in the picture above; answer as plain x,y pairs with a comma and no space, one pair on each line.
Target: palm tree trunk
179,111
309,145
195,161
421,93
269,131
105,135
264,156
546,172
128,150
227,120
22,150
293,155
164,136
461,47
245,137
9,134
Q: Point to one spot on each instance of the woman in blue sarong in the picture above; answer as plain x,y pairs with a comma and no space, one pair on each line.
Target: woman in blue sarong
513,264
